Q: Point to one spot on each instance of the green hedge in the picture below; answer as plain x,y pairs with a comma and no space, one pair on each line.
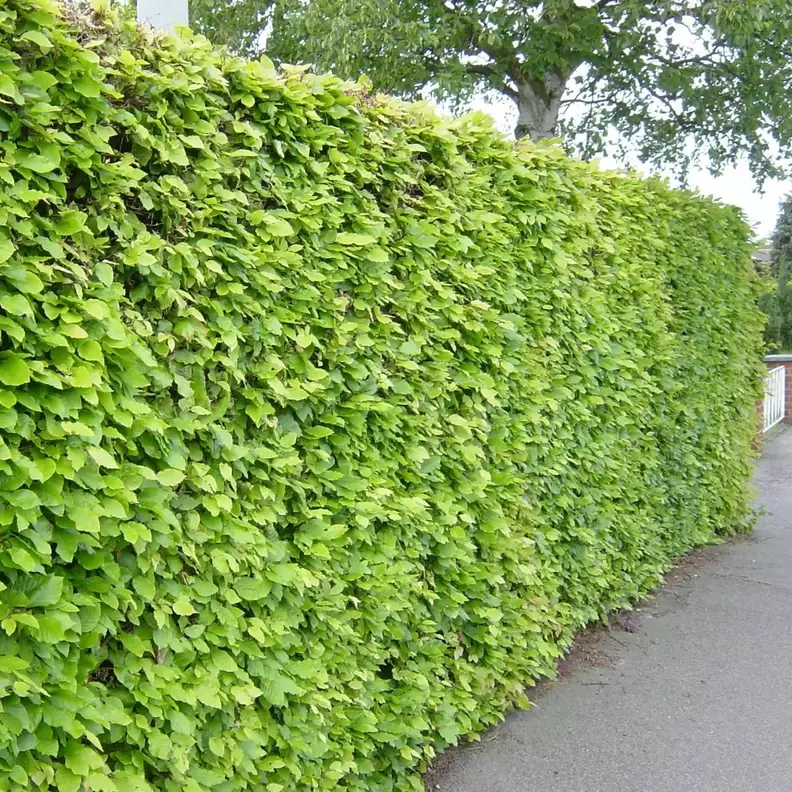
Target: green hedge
325,421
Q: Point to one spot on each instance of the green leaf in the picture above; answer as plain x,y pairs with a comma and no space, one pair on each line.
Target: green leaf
71,222
38,38
28,619
51,629
134,644
102,457
98,310
180,723
22,558
43,80
90,350
13,370
8,88
7,249
47,592
10,664
22,499
377,254
55,249
170,477
410,348
85,519
144,586
45,161
252,588
24,280
88,87
183,607
77,428
80,759
82,377
16,305
285,574
42,469
66,780
347,238
277,226
160,745
104,272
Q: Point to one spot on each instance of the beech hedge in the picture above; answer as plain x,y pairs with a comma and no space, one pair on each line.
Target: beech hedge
325,421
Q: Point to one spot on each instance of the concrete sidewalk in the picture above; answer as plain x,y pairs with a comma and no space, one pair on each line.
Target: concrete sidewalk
699,699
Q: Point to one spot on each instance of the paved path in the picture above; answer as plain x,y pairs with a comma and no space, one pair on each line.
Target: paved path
699,699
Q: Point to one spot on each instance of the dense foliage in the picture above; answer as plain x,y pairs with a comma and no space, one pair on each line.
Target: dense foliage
676,80
777,301
325,422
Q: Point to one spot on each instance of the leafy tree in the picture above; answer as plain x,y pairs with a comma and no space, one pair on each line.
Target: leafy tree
778,305
768,304
672,80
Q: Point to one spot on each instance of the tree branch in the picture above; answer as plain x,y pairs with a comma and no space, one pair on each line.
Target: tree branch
588,102
666,102
495,78
506,56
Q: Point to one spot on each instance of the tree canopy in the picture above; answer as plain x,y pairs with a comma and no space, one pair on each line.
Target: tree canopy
777,303
669,80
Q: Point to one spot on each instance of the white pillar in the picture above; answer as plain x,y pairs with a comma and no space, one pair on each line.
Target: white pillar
162,14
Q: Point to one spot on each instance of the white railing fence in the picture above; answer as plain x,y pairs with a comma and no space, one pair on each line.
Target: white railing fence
775,398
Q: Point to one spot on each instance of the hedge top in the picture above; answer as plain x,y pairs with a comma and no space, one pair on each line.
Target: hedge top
324,422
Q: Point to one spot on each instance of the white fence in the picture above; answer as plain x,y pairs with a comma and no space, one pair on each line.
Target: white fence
775,397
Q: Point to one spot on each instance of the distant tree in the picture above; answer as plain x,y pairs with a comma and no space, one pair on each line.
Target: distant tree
768,304
778,305
674,79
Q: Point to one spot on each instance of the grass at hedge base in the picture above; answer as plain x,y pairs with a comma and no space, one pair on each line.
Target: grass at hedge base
325,421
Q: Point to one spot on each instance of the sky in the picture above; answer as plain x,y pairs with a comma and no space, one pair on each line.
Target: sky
735,186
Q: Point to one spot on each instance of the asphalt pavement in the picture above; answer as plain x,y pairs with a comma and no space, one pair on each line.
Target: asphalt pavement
697,699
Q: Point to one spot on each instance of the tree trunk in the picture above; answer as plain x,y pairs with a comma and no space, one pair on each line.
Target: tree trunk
538,105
